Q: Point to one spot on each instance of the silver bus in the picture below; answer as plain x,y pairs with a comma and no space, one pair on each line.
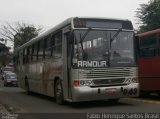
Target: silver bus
81,59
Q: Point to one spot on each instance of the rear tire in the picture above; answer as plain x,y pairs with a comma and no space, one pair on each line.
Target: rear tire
59,93
27,91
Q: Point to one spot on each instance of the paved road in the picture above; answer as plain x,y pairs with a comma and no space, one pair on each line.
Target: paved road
35,103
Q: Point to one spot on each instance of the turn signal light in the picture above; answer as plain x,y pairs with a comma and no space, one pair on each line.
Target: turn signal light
76,83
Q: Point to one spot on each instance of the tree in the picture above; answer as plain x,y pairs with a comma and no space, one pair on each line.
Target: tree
19,33
5,58
4,48
149,16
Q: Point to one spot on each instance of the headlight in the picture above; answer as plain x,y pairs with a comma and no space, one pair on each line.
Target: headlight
85,82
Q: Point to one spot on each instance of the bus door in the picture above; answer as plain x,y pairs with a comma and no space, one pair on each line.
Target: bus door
66,63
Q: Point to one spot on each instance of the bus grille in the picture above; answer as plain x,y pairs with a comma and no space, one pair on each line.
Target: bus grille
107,76
108,81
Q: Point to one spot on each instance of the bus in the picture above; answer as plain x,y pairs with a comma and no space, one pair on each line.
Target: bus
149,62
81,59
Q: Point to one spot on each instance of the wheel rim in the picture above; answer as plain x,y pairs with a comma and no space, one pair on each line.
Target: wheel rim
59,93
58,90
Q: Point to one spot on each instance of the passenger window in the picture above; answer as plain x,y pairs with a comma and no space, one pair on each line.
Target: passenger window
48,48
148,46
57,48
41,50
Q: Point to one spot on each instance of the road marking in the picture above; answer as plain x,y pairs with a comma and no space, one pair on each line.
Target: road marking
143,100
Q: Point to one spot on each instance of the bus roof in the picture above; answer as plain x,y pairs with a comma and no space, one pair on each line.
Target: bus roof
149,33
61,25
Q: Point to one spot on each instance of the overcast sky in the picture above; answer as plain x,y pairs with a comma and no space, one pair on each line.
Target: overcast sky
48,13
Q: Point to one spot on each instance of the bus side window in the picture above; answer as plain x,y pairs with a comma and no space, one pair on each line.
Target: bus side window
34,58
41,50
48,47
57,48
37,50
27,56
52,42
32,53
24,56
148,46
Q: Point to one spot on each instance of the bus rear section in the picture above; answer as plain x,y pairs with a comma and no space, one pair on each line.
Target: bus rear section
149,62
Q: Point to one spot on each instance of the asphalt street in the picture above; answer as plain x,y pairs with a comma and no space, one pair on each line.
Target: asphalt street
15,98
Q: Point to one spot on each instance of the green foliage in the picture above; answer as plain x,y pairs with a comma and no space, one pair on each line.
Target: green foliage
25,34
18,33
5,58
149,15
4,48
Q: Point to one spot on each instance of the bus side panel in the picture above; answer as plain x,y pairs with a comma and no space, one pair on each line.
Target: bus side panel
53,70
149,73
42,81
35,78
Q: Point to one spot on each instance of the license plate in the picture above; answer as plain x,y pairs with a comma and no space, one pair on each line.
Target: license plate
111,90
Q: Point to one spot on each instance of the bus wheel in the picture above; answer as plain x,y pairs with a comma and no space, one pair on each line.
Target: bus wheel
27,87
59,92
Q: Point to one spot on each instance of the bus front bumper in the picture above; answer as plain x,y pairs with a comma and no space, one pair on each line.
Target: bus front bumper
103,93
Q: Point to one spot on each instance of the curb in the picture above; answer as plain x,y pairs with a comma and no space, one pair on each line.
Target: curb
143,101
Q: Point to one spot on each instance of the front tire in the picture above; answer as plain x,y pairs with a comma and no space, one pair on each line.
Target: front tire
59,93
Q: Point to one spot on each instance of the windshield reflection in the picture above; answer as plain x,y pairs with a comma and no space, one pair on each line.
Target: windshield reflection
99,46
93,47
122,49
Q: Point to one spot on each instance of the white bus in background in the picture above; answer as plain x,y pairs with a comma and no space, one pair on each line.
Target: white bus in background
81,59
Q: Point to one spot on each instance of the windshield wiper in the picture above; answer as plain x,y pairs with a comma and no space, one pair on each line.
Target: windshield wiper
85,34
81,41
115,35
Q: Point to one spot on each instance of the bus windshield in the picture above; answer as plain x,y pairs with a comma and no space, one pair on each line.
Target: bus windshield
98,48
